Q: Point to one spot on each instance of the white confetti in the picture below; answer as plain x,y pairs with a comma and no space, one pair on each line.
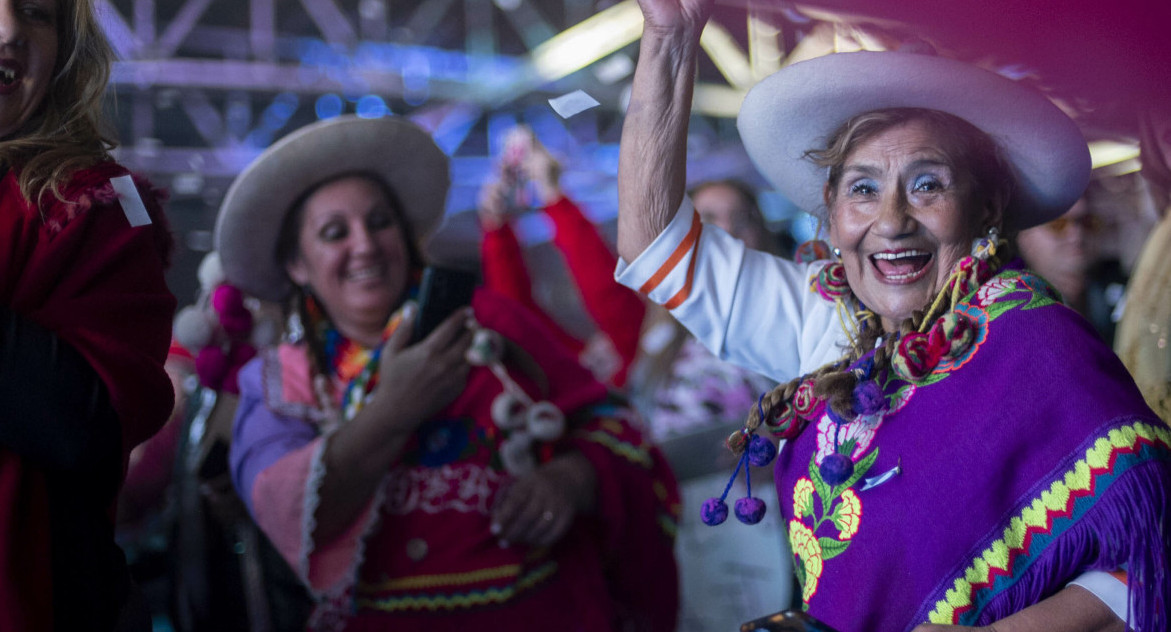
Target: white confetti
573,103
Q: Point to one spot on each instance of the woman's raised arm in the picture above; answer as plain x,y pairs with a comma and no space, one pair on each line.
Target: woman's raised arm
652,165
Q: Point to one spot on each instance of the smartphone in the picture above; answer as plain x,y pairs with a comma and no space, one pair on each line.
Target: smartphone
786,621
442,291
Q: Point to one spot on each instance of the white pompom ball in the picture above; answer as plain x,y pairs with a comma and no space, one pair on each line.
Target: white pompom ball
211,272
545,421
516,453
508,411
487,347
192,329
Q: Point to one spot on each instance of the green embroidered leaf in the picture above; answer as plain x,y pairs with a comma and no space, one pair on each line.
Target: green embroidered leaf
831,548
1039,300
847,448
1000,307
860,469
823,490
932,378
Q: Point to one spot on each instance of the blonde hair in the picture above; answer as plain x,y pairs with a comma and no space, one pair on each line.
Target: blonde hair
68,132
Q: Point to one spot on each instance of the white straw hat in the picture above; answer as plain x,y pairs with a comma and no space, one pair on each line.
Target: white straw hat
399,153
797,108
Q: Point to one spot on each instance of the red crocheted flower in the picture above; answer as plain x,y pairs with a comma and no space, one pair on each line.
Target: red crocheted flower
831,282
917,355
958,329
783,421
806,404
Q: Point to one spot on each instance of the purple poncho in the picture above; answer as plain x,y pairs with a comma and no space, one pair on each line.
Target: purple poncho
987,485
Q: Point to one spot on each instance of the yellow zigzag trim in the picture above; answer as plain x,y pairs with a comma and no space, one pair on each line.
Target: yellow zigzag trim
464,600
449,579
621,448
1056,499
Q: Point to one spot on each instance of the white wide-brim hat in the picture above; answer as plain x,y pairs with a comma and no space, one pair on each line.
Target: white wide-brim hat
399,153
797,108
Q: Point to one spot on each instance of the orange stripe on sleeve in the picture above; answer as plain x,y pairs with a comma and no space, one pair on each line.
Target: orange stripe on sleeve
684,246
1120,575
685,291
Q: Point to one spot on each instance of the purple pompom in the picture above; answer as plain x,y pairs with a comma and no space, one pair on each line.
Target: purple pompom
868,398
761,451
750,510
714,511
836,468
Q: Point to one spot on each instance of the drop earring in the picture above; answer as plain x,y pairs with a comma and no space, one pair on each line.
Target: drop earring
837,253
985,247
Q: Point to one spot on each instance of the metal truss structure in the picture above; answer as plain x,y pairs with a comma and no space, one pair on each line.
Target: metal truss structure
212,82
202,86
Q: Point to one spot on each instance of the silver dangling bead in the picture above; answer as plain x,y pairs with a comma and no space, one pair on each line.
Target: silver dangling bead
837,253
294,329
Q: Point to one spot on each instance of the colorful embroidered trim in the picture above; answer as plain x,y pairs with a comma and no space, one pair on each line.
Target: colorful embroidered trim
1060,506
454,601
632,453
508,571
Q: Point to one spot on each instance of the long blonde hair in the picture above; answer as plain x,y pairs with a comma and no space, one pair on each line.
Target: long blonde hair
69,131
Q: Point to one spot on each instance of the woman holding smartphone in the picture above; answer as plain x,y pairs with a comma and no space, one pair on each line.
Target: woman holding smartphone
420,486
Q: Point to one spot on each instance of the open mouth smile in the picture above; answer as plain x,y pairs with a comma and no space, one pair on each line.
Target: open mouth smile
10,74
368,273
901,266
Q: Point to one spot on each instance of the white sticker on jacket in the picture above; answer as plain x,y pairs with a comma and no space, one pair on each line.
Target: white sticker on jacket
131,202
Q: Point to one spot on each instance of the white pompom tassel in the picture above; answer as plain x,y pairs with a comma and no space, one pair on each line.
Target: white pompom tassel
516,453
192,329
508,411
545,421
487,348
210,272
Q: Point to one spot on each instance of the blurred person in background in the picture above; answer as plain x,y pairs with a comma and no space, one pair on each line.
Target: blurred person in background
477,479
85,319
1064,252
1144,333
526,168
676,385
681,391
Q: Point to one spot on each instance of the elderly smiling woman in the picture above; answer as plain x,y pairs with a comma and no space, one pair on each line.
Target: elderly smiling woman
960,449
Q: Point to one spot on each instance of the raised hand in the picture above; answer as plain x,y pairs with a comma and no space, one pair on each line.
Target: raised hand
544,171
493,204
671,15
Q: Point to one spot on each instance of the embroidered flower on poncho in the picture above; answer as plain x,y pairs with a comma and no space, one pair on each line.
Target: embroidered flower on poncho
860,432
807,550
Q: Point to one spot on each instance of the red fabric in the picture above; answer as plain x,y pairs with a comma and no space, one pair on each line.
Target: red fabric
616,310
505,274
79,270
615,569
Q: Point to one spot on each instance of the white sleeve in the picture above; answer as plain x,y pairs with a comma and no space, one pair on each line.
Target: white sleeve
748,307
1112,591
